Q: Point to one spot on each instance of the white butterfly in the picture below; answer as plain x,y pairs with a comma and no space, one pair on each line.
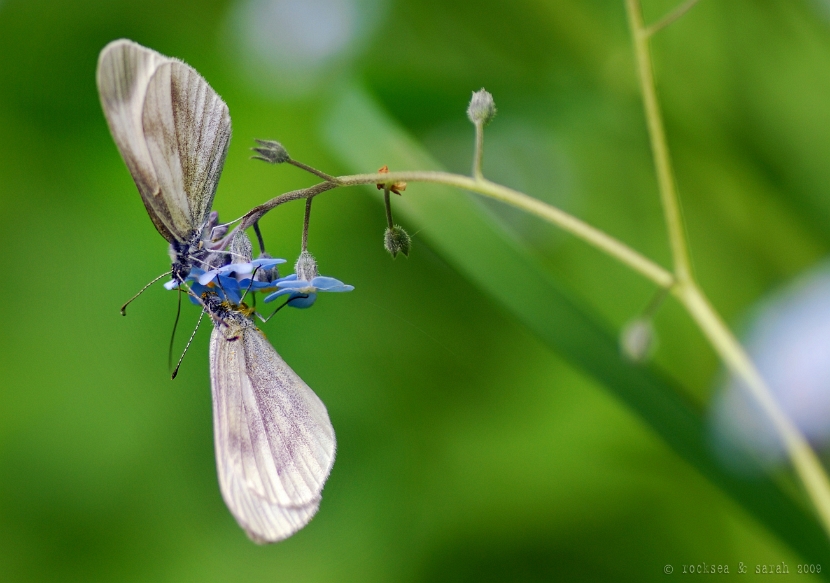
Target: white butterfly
275,444
173,132
274,441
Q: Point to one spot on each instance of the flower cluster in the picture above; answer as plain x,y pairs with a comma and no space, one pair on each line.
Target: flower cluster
233,281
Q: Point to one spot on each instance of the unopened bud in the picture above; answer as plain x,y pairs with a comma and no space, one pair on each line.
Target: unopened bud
212,229
240,248
397,240
482,108
271,152
637,340
267,273
306,267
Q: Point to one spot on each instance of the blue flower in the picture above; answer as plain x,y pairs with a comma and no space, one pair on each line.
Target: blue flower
303,293
229,282
239,269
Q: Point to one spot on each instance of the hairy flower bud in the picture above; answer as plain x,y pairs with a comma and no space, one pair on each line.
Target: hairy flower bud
266,273
397,240
482,108
306,267
240,248
271,152
637,340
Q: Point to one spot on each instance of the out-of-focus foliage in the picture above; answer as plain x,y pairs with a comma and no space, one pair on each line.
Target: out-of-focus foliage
470,449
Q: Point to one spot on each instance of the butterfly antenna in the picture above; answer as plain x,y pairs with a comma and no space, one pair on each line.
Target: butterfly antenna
242,299
124,307
302,297
181,358
173,335
259,237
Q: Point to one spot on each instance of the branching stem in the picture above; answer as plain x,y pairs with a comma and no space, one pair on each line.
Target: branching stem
595,237
669,18
680,281
804,460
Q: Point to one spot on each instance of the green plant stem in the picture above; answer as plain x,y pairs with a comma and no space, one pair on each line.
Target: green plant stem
659,145
388,204
804,460
310,170
669,18
306,221
478,154
593,236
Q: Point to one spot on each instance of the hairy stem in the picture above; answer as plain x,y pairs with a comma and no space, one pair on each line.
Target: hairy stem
388,204
306,221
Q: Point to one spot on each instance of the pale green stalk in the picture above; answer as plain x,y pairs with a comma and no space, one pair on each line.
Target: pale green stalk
478,154
804,460
669,18
593,236
680,281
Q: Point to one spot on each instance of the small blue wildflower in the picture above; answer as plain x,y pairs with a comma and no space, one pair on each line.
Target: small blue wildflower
229,282
303,293
239,269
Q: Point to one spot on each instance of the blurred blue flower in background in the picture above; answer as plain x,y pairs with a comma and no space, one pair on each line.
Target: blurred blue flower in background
789,341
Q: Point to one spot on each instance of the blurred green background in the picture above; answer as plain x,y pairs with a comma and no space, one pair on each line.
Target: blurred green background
487,428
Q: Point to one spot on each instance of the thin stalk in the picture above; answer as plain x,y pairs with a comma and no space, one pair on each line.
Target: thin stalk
804,460
306,221
580,229
659,145
478,155
388,204
311,170
669,18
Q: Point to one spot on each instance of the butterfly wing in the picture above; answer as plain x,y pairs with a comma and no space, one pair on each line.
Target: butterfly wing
124,71
187,129
172,131
275,444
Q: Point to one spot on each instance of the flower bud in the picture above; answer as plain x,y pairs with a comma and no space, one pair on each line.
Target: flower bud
266,274
240,248
482,108
637,340
306,267
271,152
397,240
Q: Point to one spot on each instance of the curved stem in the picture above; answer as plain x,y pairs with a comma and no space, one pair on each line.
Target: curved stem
804,460
582,230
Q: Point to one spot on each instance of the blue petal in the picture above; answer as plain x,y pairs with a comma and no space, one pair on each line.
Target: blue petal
296,284
302,300
330,284
208,276
172,284
275,295
241,268
266,263
231,289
